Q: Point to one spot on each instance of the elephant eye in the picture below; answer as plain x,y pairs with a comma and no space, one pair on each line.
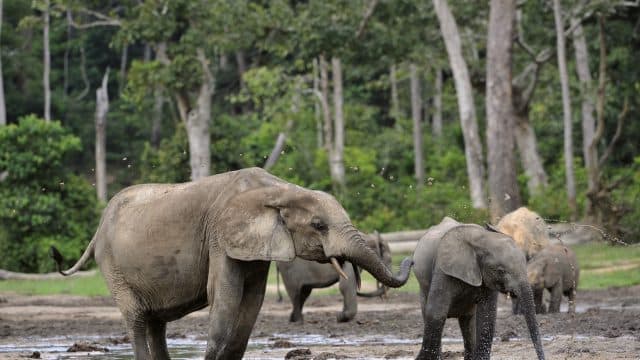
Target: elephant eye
319,225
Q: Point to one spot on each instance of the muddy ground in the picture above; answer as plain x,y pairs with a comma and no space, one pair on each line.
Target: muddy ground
607,326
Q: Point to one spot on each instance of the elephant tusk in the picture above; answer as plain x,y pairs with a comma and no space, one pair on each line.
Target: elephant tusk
338,269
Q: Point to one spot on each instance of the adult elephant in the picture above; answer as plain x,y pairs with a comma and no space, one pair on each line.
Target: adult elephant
460,269
301,276
168,250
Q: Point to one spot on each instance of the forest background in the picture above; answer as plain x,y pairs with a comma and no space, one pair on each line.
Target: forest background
406,111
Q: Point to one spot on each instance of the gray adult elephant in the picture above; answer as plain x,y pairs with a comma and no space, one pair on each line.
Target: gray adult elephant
460,269
168,250
556,269
301,276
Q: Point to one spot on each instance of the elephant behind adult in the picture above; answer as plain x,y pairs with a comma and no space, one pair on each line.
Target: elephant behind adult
168,250
556,269
301,276
460,269
528,230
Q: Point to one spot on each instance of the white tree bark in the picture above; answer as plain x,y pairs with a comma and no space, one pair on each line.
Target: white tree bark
3,107
566,108
503,185
337,155
102,108
198,120
416,116
324,103
587,96
317,104
466,107
436,125
47,64
528,148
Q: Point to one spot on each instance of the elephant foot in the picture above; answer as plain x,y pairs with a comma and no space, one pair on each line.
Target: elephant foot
296,318
342,317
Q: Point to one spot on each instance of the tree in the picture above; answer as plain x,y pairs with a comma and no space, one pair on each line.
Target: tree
436,125
466,107
416,116
503,185
566,109
3,107
46,62
336,154
102,108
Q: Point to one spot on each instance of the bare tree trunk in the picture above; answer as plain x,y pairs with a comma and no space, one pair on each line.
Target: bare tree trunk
156,125
395,103
503,185
466,107
282,136
123,68
416,116
317,104
67,52
587,105
47,64
529,155
324,101
198,123
3,107
102,108
436,125
337,155
566,109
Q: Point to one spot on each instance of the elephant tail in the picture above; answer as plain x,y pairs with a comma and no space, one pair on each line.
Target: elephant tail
57,257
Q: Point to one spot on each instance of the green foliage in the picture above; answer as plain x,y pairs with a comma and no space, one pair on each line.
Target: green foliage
169,163
41,203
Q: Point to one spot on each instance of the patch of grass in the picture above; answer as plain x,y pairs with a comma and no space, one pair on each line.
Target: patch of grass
86,286
603,265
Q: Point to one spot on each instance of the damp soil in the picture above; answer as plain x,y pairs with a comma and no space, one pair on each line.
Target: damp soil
606,326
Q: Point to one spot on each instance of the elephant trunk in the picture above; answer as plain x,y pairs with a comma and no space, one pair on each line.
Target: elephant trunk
381,290
529,309
360,254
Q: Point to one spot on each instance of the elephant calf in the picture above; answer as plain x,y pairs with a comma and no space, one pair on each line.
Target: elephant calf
555,268
460,269
300,277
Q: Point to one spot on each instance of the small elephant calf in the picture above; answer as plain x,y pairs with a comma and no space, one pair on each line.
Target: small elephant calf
555,268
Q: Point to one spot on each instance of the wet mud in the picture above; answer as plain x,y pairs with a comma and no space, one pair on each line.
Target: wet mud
606,326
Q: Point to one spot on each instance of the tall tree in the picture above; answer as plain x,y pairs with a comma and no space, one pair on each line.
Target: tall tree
466,107
436,124
503,185
3,107
416,116
566,108
102,108
336,157
46,61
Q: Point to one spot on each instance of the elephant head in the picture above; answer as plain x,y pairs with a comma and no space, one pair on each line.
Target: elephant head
275,220
480,257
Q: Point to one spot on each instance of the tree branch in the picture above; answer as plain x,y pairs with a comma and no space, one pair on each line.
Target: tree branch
365,18
104,20
616,136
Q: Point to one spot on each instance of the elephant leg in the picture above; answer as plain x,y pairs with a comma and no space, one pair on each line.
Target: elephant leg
298,297
138,335
468,329
572,300
157,335
349,294
254,288
225,296
485,324
515,306
434,314
538,300
556,298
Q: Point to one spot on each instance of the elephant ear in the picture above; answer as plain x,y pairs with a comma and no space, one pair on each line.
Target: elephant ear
457,258
250,227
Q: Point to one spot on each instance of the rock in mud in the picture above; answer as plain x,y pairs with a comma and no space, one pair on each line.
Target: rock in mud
282,344
33,355
508,335
399,354
86,347
298,354
328,356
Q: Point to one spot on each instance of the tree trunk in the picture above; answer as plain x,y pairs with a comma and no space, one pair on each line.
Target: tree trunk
198,123
503,185
466,107
528,149
587,104
3,107
416,116
324,100
282,136
317,104
47,64
337,155
566,109
156,125
395,103
123,68
67,52
436,125
102,108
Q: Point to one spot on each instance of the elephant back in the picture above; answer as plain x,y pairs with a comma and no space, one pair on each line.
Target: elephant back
426,249
528,230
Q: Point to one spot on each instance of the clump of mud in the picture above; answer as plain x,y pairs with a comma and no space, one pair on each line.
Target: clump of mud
86,347
399,354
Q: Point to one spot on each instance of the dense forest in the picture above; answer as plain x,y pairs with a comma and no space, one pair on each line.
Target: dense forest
405,110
